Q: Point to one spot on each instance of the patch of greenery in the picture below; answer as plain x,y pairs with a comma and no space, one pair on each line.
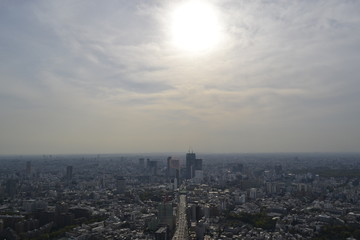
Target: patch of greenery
96,219
155,196
55,234
61,232
337,232
41,237
259,220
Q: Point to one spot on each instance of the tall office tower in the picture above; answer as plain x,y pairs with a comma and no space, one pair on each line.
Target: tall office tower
192,165
198,164
177,176
152,168
166,215
172,166
190,162
28,168
69,172
253,193
198,172
172,171
168,170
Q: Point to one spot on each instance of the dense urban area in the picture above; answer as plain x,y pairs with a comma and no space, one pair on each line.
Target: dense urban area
180,196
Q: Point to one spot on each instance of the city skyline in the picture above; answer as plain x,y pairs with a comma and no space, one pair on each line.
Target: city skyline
124,76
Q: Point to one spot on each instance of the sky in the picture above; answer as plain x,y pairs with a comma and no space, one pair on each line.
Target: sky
84,76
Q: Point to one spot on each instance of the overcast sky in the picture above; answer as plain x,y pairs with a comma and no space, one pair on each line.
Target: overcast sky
80,76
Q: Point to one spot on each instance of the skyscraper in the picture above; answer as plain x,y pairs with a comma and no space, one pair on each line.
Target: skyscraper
173,171
168,170
152,167
166,216
192,164
173,165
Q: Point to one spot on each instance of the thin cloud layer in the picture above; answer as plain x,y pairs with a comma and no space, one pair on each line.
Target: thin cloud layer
84,76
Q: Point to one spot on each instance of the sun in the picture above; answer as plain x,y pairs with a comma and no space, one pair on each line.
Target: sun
195,26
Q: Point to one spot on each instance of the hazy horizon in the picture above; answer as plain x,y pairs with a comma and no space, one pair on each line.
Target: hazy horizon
178,154
125,76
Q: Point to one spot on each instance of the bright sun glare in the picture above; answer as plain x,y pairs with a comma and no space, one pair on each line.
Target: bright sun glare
195,26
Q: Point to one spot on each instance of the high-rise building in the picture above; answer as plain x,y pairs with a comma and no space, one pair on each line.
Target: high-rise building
168,166
152,167
173,165
166,215
198,164
192,164
253,193
173,171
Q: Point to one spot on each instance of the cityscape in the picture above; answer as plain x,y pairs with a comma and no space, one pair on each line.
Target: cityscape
179,120
185,196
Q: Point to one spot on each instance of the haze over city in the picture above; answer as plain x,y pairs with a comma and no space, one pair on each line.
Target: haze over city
160,76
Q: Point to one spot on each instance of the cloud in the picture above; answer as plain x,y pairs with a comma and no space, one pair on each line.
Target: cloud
80,71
